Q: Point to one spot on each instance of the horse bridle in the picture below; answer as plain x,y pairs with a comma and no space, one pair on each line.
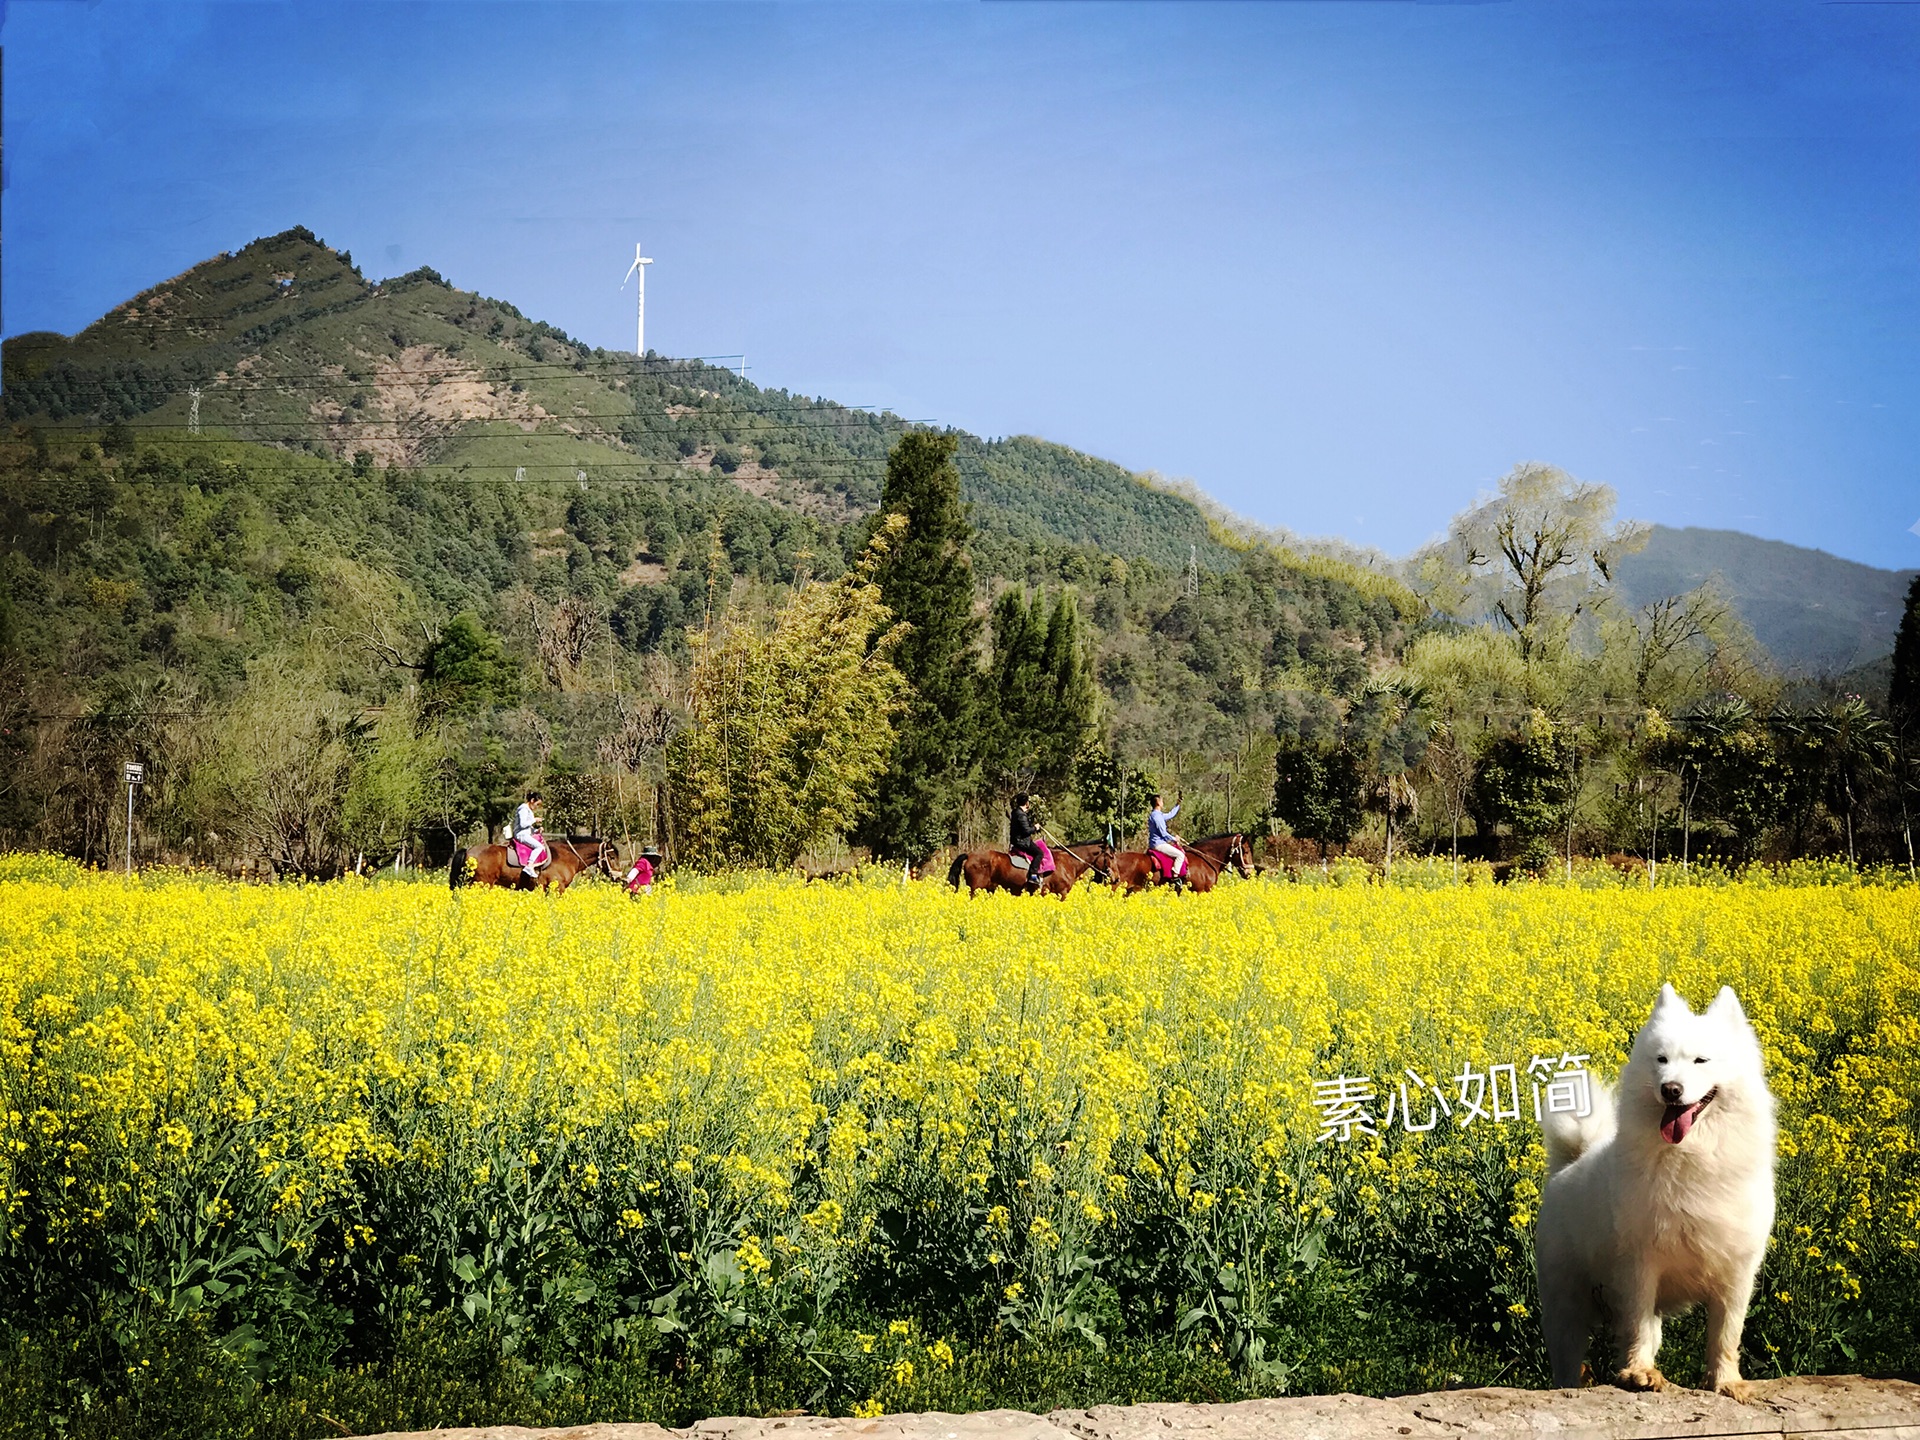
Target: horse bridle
1098,873
602,863
1237,853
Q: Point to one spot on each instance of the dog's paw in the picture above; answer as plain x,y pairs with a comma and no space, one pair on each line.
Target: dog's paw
1734,1388
1642,1377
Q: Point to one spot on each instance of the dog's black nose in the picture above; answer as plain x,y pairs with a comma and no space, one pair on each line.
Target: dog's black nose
1671,1092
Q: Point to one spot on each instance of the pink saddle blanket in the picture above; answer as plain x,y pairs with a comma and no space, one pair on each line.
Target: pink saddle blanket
1046,858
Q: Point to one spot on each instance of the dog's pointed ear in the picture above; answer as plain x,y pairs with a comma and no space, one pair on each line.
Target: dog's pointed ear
1726,1005
1670,1000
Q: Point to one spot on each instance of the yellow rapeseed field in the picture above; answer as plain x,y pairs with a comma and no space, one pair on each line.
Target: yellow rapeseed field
1097,1116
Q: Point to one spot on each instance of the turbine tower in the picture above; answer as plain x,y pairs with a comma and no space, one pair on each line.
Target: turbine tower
640,302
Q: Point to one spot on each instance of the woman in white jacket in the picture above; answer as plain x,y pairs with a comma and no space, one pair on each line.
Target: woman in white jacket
529,845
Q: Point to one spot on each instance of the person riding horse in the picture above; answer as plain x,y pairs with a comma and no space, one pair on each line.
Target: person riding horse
1022,843
1162,841
529,846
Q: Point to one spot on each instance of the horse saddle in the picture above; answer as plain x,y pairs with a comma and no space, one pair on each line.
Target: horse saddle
1023,864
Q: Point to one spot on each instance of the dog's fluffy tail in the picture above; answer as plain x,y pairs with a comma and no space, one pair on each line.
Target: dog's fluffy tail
1568,1137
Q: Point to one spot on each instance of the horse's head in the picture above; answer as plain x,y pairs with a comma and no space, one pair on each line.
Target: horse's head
607,860
1238,858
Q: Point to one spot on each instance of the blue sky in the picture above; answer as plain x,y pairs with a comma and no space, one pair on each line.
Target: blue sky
1341,264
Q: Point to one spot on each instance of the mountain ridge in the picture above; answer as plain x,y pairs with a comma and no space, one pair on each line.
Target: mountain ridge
289,344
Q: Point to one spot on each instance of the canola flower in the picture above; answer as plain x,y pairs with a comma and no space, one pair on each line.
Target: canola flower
741,1105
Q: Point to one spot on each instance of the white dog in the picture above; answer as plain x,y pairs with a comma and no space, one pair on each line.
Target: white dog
1666,1204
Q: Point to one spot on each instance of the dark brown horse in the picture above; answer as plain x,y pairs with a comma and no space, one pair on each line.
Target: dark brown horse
1137,870
493,865
993,869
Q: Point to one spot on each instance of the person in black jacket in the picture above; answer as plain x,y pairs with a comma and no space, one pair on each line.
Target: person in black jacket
1021,842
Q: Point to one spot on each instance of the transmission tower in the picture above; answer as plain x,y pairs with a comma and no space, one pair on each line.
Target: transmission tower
193,409
1193,572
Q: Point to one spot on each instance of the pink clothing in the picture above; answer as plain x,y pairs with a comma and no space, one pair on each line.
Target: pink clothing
639,877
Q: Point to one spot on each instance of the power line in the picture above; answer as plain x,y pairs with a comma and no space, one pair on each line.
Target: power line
268,422
527,367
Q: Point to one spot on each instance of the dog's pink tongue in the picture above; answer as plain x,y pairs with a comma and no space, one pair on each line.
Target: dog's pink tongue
1679,1120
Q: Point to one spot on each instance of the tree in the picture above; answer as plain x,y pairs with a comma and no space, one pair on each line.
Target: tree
1465,675
925,580
1112,794
1677,643
1317,790
1532,558
467,670
1903,712
1529,780
1903,693
390,789
1859,753
790,728
1038,691
1391,726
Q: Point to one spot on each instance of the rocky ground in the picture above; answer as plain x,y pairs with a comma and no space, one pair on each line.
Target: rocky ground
1833,1407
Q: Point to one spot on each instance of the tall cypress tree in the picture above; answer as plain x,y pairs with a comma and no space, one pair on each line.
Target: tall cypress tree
1903,694
927,581
1040,691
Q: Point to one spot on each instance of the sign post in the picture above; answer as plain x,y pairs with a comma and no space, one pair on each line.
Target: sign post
135,774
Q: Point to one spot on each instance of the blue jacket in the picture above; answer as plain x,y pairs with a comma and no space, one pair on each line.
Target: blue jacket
1157,825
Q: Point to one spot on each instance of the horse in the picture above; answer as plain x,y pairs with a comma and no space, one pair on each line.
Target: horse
569,858
1206,859
993,869
1229,849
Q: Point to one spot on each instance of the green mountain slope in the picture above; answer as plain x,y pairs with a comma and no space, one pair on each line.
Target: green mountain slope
1814,612
289,345
372,459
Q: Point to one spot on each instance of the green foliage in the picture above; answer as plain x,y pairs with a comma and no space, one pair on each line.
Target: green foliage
1903,693
790,728
467,670
1112,795
1037,702
1529,781
926,581
1316,789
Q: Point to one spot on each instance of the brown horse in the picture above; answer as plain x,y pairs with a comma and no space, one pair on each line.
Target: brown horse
993,869
1137,870
493,865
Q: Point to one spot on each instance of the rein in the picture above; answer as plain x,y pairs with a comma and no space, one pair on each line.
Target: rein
1098,873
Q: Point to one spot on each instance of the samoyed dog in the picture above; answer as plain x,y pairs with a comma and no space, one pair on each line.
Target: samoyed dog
1661,1198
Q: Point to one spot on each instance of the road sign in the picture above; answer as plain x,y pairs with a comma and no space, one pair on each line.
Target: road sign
136,773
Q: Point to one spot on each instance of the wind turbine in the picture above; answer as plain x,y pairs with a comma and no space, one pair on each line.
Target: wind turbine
640,307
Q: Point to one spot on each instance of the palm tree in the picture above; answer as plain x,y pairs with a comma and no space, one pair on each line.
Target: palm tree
1841,751
1859,746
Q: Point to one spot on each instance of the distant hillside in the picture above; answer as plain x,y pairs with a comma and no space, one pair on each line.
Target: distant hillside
290,345
375,458
1815,613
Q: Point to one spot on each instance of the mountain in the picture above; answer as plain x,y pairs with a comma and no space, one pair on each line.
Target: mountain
1815,613
270,467
290,345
